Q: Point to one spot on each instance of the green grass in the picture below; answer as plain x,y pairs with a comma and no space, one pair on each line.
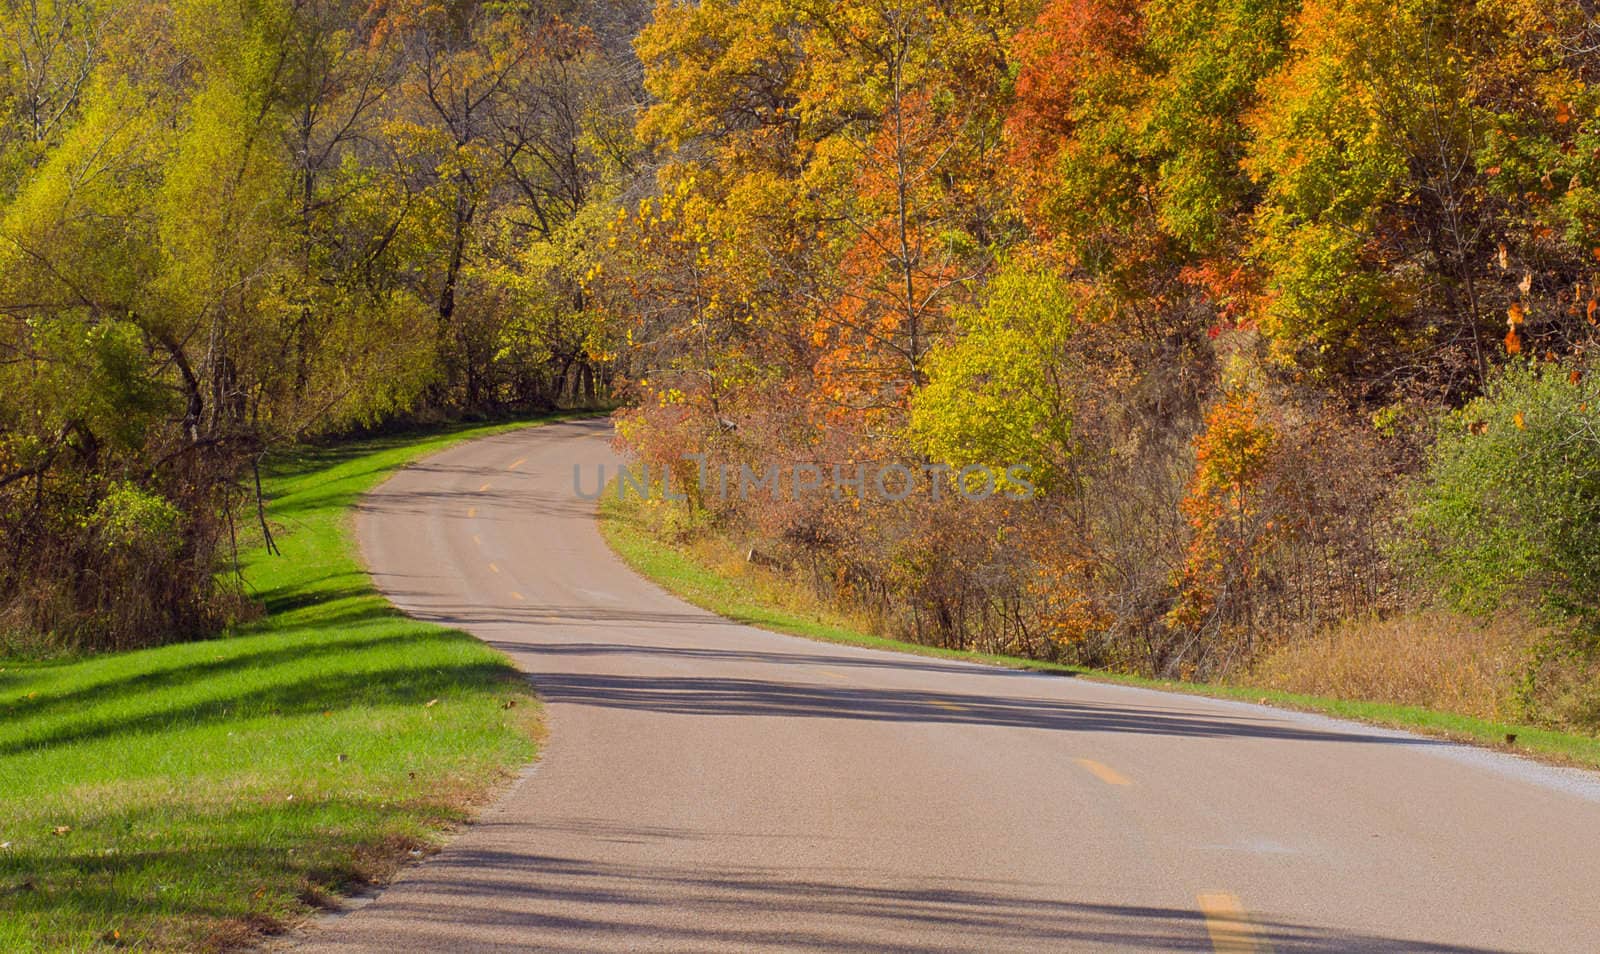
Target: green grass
193,796
771,604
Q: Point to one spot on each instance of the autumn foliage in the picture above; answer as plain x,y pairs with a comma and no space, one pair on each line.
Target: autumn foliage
1208,270
1230,532
229,227
1206,267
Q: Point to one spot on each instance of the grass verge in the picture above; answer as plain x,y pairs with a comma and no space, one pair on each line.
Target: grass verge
765,599
196,796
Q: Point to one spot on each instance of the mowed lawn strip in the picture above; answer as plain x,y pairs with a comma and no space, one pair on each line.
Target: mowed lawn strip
768,601
194,796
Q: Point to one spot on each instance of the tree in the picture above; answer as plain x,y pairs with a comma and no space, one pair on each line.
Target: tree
226,227
1000,394
1379,227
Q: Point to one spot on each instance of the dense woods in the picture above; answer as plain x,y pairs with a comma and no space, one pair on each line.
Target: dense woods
229,225
1287,307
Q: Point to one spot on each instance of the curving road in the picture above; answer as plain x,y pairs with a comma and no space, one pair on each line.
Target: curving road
707,786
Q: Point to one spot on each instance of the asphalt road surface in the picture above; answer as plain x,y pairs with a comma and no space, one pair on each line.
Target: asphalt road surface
707,786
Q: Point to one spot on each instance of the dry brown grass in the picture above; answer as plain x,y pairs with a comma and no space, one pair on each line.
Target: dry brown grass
1438,659
783,589
728,558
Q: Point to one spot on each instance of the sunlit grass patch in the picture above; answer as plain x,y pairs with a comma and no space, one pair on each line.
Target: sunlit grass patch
196,795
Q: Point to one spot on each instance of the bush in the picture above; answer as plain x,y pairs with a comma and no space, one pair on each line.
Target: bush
140,524
1510,502
92,566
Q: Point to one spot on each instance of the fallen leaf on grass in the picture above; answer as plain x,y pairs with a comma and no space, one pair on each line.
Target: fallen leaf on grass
60,830
431,703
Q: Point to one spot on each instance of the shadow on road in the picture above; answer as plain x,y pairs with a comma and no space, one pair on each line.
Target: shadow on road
569,903
734,696
904,663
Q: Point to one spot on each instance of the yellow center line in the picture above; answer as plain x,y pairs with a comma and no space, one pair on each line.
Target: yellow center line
494,568
517,596
477,539
483,489
1104,773
1230,928
833,675
472,513
948,705
519,462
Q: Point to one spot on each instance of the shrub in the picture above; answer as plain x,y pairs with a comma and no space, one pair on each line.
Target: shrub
1509,504
138,523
